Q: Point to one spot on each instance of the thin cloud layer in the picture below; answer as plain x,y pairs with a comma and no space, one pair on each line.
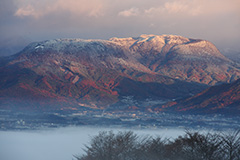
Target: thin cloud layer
176,7
38,9
101,7
214,20
130,12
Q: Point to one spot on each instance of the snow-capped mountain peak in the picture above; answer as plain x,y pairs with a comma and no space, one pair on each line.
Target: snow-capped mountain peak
97,73
169,55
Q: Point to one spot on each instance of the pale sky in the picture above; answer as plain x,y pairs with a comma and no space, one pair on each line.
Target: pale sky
25,21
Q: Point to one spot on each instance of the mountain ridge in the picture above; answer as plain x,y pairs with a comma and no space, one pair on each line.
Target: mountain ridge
224,99
98,73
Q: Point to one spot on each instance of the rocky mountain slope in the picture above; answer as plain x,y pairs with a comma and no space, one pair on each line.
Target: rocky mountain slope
182,58
223,98
76,73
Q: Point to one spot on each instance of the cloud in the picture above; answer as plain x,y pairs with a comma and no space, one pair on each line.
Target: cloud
130,12
175,7
214,20
200,7
180,7
93,8
28,11
98,8
36,9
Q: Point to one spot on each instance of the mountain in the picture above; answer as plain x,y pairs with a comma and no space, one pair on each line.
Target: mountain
77,74
234,56
223,98
182,58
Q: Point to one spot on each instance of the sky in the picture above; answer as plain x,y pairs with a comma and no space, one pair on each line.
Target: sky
25,21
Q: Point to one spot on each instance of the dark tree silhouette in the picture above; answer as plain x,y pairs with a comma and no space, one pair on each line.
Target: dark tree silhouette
231,145
110,146
195,146
191,146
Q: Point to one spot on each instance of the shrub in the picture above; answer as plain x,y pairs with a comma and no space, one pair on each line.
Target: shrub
191,146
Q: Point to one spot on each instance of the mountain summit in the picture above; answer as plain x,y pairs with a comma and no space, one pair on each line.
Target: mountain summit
181,58
73,73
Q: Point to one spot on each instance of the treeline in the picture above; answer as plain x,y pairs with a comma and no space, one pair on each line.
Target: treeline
191,146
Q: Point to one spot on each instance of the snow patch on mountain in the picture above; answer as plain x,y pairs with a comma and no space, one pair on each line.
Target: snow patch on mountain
199,48
144,43
168,55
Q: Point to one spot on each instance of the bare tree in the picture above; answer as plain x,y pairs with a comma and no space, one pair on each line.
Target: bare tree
110,146
156,148
231,145
195,146
191,146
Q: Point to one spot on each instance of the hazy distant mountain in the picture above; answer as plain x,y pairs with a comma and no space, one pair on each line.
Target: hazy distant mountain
223,98
11,45
72,73
234,56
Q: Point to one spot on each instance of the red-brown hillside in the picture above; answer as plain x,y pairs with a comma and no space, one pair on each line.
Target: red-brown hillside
73,73
223,98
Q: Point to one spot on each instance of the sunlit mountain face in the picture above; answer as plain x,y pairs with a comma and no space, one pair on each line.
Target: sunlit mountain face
73,74
222,99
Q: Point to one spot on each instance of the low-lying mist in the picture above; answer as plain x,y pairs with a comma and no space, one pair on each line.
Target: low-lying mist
61,143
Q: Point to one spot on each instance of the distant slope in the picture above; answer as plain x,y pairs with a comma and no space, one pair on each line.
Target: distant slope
223,98
234,56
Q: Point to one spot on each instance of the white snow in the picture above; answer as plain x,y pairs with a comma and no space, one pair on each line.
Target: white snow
146,43
39,47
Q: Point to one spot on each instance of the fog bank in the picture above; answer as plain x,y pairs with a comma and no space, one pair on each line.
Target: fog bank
59,144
